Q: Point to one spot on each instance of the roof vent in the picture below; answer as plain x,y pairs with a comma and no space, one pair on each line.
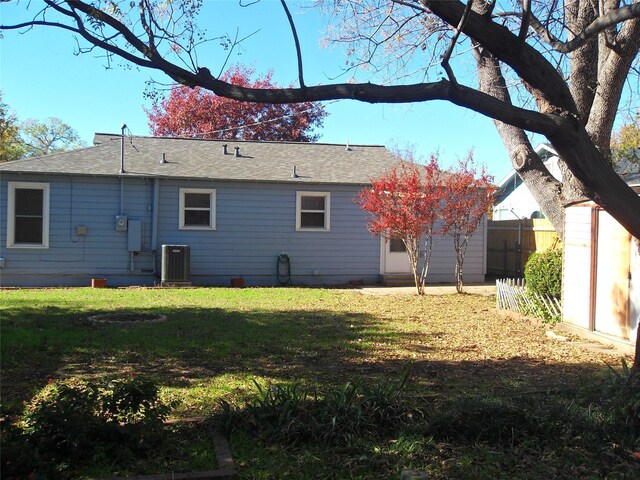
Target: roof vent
237,149
224,149
164,158
347,147
294,174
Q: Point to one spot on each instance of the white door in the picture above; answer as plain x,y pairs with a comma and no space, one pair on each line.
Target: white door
396,259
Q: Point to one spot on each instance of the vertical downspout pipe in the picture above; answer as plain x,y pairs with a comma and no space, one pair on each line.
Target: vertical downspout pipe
122,169
121,195
154,222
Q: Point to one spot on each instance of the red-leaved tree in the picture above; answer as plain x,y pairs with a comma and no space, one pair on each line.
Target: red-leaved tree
469,192
196,112
404,204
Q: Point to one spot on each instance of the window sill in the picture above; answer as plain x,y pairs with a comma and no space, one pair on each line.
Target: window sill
198,229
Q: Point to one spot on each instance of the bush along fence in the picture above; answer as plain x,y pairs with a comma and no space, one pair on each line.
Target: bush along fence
513,294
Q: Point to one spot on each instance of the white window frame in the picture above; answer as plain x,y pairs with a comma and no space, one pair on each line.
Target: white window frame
326,211
11,210
212,209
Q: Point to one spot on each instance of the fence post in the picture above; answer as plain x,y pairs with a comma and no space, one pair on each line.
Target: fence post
504,267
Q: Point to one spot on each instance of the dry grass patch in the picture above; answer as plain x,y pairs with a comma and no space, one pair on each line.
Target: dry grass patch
470,363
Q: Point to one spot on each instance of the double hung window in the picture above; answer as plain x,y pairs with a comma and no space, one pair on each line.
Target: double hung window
313,211
28,215
197,209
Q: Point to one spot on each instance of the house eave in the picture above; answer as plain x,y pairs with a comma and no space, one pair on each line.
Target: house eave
187,178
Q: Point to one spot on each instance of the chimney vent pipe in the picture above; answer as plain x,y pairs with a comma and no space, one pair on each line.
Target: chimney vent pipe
237,149
224,149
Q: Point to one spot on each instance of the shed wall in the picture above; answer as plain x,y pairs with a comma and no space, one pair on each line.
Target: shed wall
600,272
577,271
612,277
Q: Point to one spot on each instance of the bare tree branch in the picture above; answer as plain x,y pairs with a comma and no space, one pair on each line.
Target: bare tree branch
144,8
454,40
526,18
599,25
372,93
296,41
411,5
529,64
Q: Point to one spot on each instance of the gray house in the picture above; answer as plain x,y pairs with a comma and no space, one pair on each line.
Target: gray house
138,210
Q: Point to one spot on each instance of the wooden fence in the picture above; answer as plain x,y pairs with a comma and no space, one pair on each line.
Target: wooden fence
511,294
511,242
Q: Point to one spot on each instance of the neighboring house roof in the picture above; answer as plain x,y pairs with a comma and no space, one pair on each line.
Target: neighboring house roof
512,180
204,159
629,172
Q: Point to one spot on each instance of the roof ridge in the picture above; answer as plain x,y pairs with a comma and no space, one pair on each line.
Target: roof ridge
22,161
280,142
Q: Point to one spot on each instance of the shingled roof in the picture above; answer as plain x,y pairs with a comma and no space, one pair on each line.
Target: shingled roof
205,159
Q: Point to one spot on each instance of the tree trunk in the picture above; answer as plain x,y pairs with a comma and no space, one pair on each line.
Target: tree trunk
460,248
596,177
413,251
546,190
584,61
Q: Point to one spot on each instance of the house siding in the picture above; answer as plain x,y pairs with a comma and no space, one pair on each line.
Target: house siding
72,259
255,222
443,259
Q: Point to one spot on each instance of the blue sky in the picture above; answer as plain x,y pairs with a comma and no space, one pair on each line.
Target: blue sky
41,77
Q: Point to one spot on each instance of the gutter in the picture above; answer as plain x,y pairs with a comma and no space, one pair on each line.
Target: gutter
154,222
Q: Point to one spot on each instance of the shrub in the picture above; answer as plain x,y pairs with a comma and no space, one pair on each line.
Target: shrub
61,421
73,422
624,396
294,413
543,273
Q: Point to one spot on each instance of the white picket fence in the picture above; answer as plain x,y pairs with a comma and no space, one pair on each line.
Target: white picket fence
512,294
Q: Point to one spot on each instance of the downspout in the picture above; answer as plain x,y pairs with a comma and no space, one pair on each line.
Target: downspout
154,223
122,171
121,196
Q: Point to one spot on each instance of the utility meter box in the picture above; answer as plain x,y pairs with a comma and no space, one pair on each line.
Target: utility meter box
121,223
134,236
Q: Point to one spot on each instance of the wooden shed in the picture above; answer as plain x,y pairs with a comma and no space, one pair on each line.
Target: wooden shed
601,274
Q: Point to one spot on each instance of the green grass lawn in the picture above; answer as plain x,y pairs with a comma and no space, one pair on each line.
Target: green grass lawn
490,386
